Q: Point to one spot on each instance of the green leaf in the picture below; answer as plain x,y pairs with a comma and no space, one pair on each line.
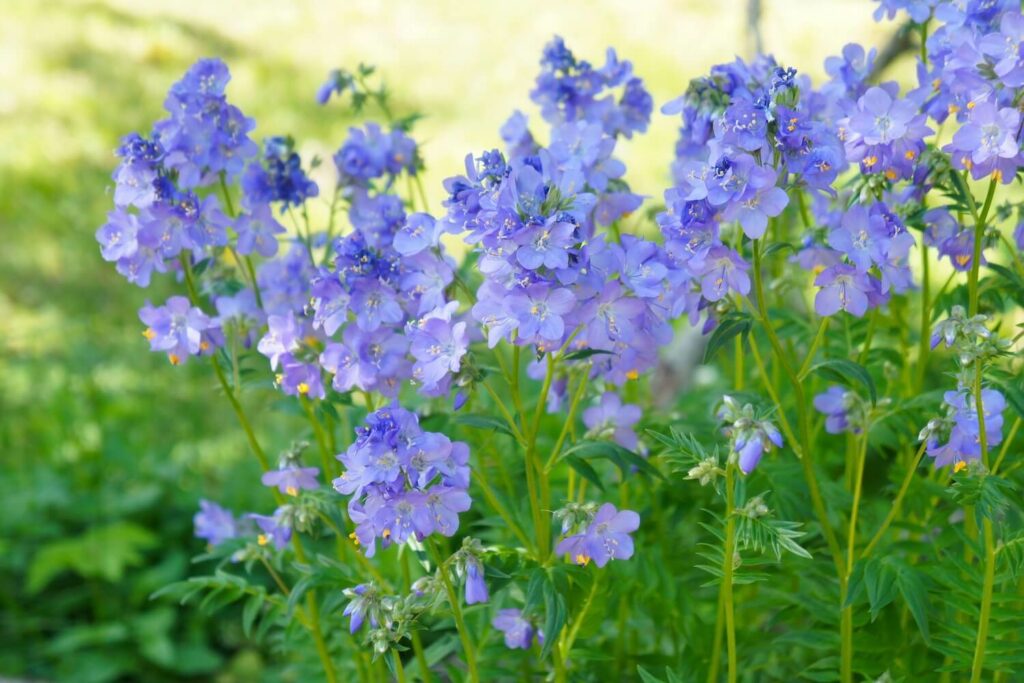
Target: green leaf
585,353
585,470
251,611
483,422
646,676
623,458
880,580
912,588
728,327
847,372
776,247
103,552
555,614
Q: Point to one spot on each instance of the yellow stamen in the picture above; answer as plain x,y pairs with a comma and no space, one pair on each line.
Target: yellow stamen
262,539
303,388
910,154
953,108
963,259
204,346
971,105
174,358
870,161
632,374
386,534
291,491
960,466
355,539
278,378
149,334
891,174
582,559
997,175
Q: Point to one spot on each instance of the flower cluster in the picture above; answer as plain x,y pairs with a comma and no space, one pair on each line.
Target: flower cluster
751,437
960,427
552,278
571,89
405,483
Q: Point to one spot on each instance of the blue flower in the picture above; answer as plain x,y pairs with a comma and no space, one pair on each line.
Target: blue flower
606,537
214,524
178,329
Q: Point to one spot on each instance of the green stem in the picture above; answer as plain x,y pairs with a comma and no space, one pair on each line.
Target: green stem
897,502
979,239
924,345
978,664
573,406
1006,444
318,432
727,569
250,436
814,347
846,623
801,406
417,642
460,622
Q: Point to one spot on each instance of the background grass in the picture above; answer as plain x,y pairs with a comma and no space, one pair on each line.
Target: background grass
105,449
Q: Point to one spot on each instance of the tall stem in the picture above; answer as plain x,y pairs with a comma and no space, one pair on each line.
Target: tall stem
897,502
846,618
923,343
978,663
460,622
417,643
802,418
727,567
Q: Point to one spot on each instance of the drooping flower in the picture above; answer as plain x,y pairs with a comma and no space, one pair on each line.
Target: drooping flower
519,631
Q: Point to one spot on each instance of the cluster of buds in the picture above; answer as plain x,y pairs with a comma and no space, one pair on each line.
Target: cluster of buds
754,508
391,617
706,471
575,515
969,336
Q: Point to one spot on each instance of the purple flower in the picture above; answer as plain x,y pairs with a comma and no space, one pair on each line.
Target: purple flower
283,334
880,118
214,524
476,587
762,199
438,345
546,246
834,403
613,418
605,538
963,442
987,142
539,311
274,529
404,482
177,328
291,480
723,270
843,287
519,632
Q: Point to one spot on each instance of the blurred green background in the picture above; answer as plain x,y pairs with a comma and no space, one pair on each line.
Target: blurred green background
105,447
